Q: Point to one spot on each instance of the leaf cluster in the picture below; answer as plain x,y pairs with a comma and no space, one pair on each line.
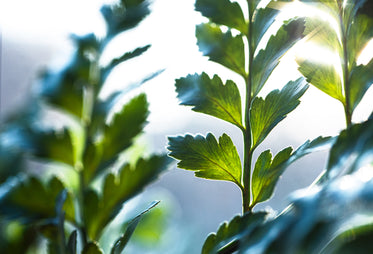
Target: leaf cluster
87,148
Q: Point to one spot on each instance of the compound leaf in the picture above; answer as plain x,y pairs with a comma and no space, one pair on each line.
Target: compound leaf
268,58
222,48
210,159
263,19
223,12
211,96
266,113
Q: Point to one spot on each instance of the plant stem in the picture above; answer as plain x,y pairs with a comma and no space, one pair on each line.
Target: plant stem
345,69
246,195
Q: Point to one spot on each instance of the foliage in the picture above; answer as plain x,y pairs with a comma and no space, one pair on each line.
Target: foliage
323,218
70,212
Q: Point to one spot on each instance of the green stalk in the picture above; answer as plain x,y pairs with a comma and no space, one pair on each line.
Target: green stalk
246,194
345,69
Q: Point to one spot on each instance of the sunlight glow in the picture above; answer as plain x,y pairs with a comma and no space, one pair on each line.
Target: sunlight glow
366,54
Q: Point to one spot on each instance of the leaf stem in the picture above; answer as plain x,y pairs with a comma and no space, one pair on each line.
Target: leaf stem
246,195
345,69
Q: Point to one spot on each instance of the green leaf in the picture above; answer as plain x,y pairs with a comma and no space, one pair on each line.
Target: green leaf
119,189
122,241
227,239
268,58
266,114
126,125
211,96
266,174
263,19
210,159
361,78
31,200
223,12
124,16
92,248
323,76
222,48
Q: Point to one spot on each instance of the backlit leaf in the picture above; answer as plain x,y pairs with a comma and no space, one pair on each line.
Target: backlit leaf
211,96
266,113
222,48
223,12
210,159
92,248
264,18
268,58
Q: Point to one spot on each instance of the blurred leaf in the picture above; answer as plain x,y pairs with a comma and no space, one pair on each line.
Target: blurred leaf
210,159
119,189
92,248
352,149
226,240
323,76
72,242
263,19
222,48
223,12
211,96
268,58
127,56
361,78
266,114
266,174
125,125
122,241
124,16
31,200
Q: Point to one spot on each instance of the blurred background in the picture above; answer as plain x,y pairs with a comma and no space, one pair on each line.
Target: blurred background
34,35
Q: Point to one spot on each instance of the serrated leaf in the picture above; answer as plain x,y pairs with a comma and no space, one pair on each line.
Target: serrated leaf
126,125
210,159
323,76
263,19
361,78
228,235
119,189
223,12
266,174
31,200
268,58
211,96
222,48
122,241
267,171
92,248
266,114
124,16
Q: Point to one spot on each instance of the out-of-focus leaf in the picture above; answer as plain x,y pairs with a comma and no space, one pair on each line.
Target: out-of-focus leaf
127,56
122,241
11,159
125,125
360,33
228,235
352,149
266,114
72,242
266,174
118,189
211,96
92,248
31,200
222,48
210,159
223,12
361,78
124,16
323,76
268,58
263,19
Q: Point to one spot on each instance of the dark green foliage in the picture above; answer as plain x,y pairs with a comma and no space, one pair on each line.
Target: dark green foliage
73,215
